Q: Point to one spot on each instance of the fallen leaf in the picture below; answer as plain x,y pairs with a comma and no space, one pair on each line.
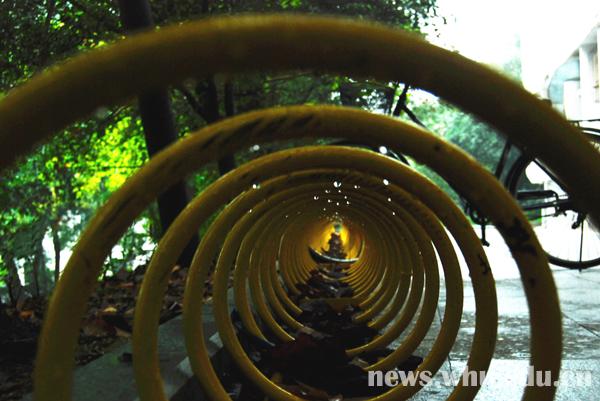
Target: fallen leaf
109,310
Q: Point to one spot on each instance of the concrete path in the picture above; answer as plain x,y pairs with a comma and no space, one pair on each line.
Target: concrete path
579,294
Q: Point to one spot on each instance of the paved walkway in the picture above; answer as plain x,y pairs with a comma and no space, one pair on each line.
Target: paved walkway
579,295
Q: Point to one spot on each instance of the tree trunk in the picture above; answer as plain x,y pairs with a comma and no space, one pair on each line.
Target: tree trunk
38,266
208,108
57,247
227,162
12,280
159,125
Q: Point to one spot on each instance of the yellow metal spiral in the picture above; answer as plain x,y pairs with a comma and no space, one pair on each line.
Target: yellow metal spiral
397,225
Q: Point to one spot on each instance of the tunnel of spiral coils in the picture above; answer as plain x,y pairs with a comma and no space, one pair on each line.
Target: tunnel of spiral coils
372,224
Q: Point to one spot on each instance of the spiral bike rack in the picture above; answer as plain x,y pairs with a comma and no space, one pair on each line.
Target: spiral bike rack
399,216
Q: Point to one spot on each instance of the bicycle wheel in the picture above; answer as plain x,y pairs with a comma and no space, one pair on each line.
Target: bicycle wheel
566,233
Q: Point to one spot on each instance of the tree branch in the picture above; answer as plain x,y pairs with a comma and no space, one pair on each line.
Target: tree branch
193,102
402,107
227,162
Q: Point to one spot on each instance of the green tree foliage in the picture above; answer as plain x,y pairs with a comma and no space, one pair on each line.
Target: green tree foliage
464,130
473,136
48,197
477,138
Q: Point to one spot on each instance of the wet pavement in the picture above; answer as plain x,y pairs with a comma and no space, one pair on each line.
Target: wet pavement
579,294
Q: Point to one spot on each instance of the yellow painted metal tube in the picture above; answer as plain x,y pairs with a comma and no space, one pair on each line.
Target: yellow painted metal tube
291,223
416,289
257,235
127,203
367,286
388,336
454,298
417,301
224,45
228,253
385,237
237,213
403,255
271,218
426,262
399,300
244,257
267,187
233,241
434,304
247,249
423,261
276,233
292,308
367,282
62,96
224,328
365,278
273,300
240,273
409,248
389,284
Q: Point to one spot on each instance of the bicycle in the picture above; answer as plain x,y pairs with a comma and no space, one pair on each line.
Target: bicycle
565,231
560,224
